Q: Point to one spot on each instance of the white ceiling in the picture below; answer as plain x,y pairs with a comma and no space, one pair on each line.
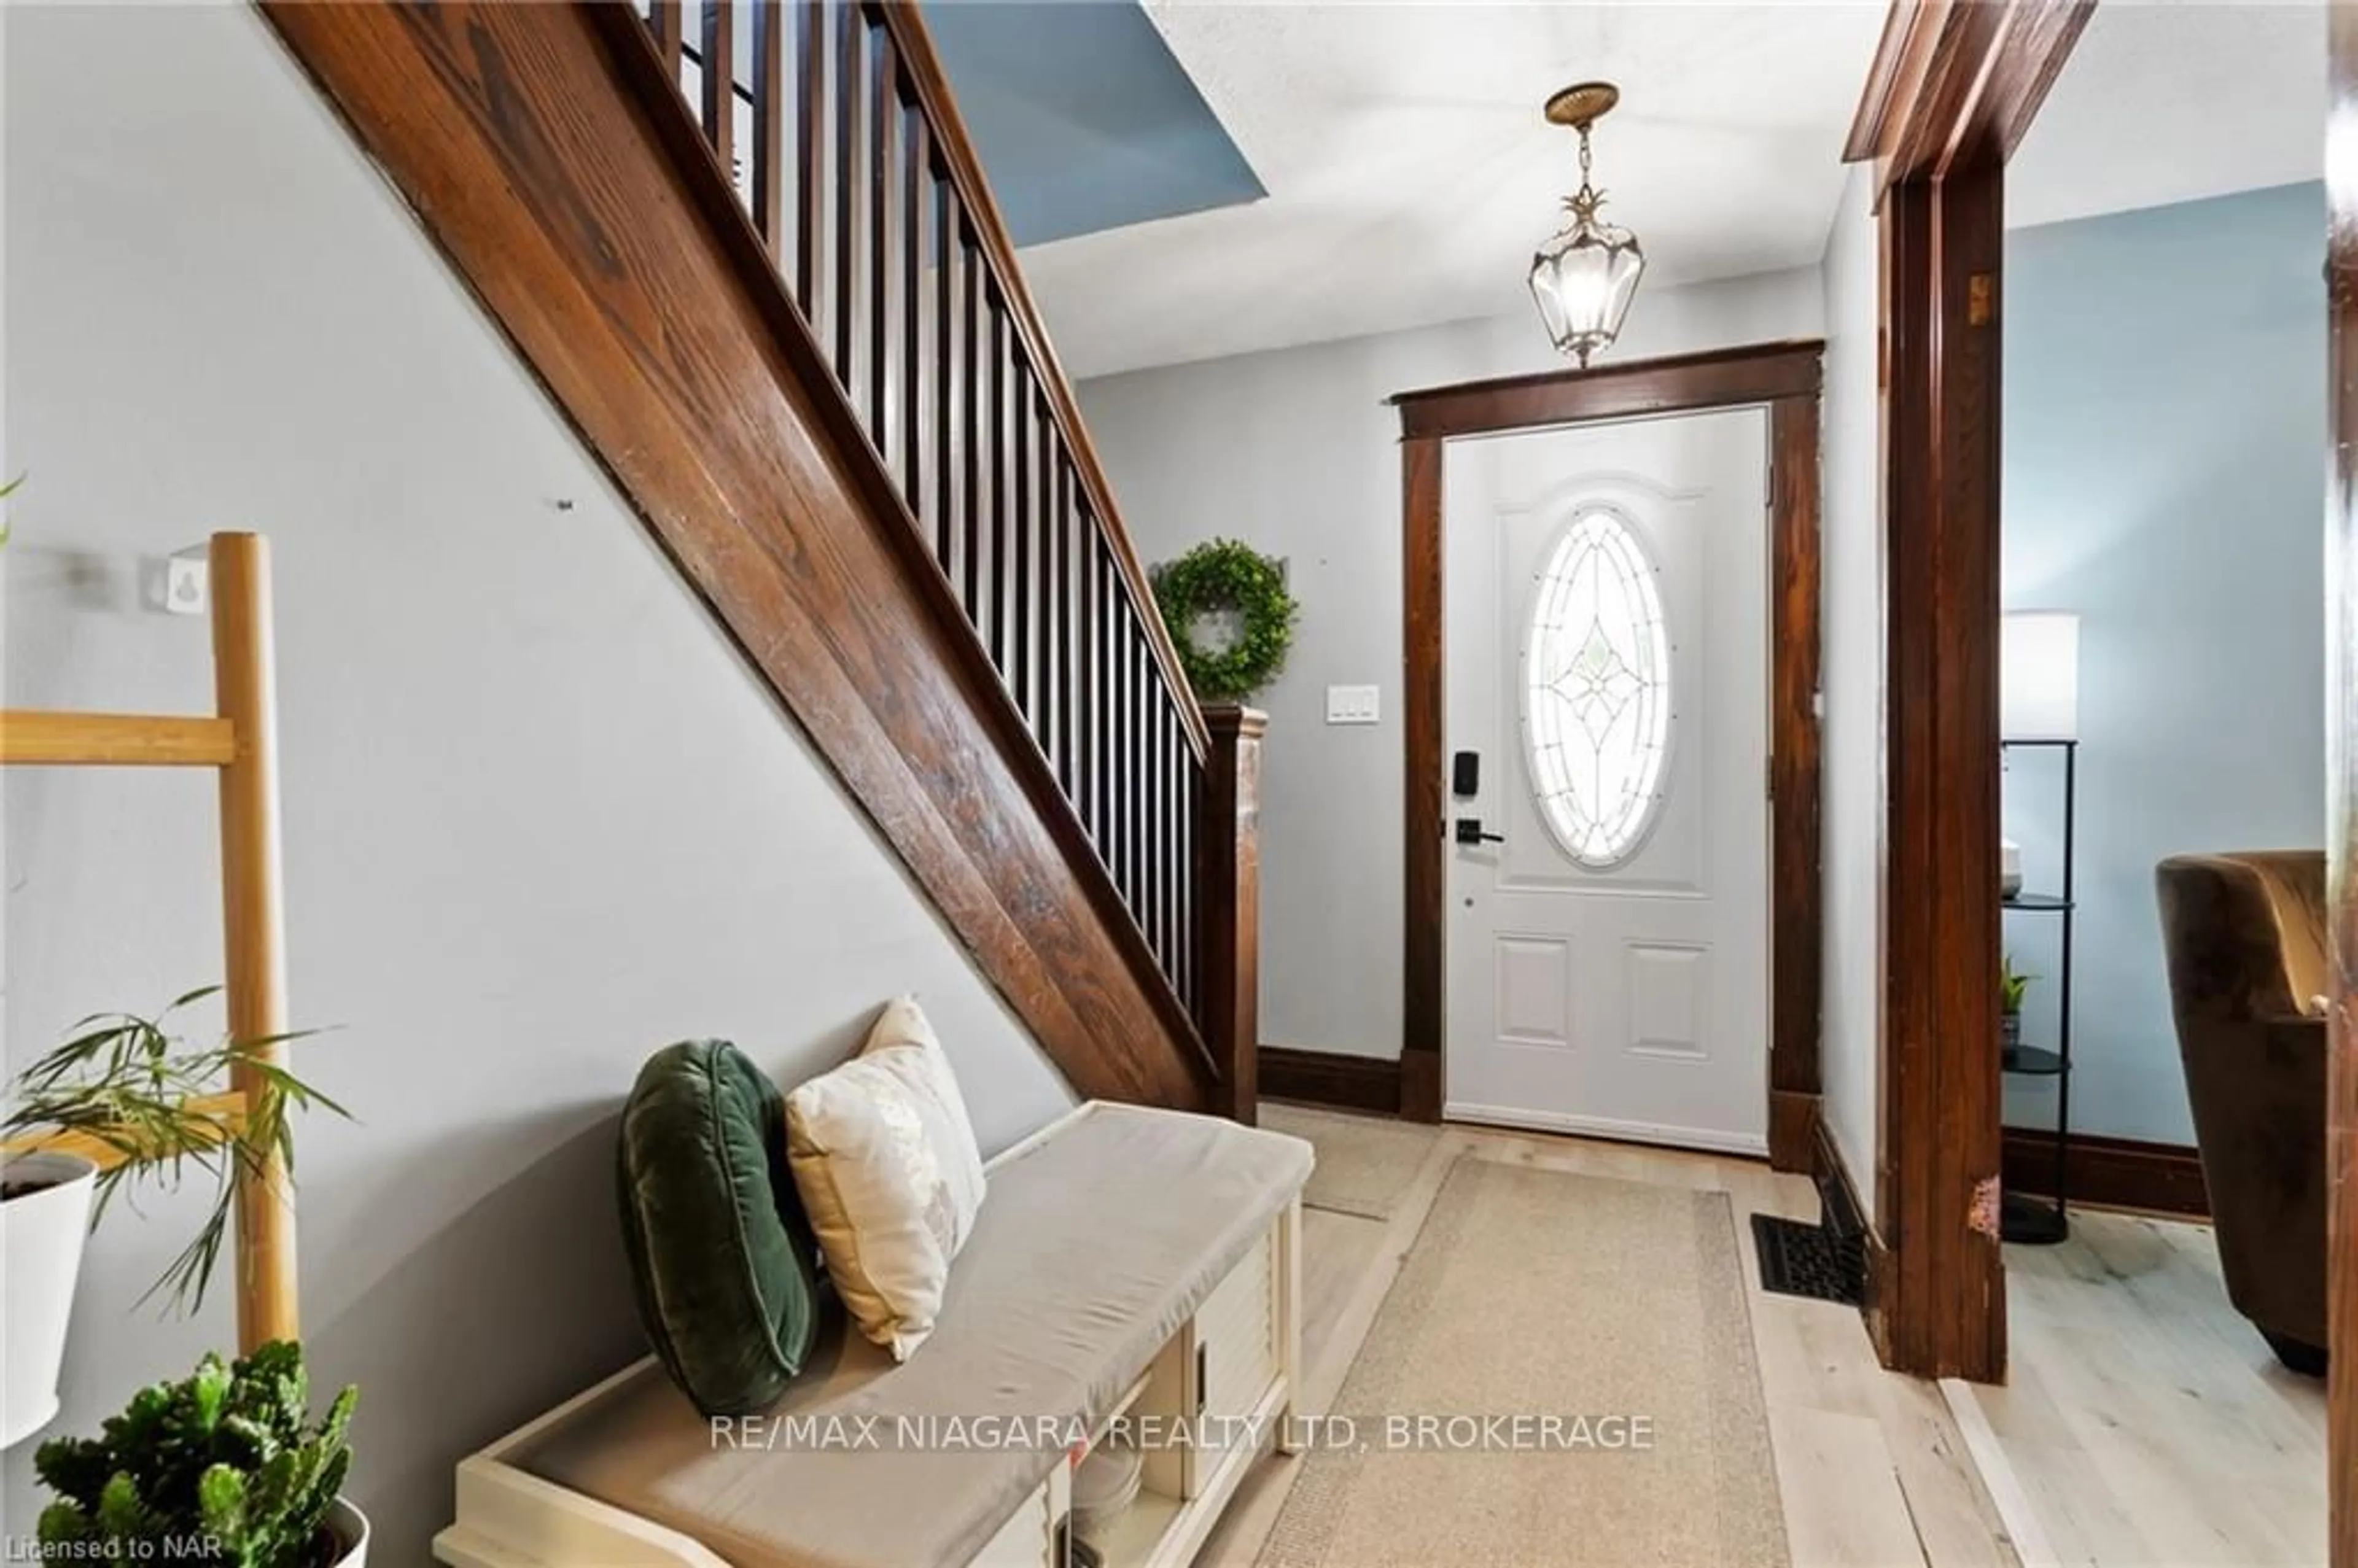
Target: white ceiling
1410,176
2163,101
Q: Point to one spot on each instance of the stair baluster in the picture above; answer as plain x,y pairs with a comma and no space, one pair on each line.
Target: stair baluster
887,239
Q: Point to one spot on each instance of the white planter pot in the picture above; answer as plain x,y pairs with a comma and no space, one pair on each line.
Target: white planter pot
350,1527
41,1236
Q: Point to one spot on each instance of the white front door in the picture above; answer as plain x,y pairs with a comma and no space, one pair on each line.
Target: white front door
1607,600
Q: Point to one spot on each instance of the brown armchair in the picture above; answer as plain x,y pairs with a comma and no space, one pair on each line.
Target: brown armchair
2245,938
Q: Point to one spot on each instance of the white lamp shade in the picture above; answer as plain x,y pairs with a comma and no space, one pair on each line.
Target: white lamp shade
2038,676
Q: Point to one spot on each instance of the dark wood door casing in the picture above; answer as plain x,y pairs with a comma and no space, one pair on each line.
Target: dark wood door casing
1784,378
1425,952
1952,91
1796,760
1940,1306
2342,739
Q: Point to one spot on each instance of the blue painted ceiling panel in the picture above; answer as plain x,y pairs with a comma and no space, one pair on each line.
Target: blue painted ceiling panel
1082,117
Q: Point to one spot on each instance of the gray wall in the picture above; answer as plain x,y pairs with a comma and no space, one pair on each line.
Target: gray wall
540,820
2164,405
1294,452
1853,681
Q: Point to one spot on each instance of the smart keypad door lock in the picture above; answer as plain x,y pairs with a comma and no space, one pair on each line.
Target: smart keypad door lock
1465,775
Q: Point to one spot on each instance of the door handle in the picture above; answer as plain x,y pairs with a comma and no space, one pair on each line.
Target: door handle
1469,831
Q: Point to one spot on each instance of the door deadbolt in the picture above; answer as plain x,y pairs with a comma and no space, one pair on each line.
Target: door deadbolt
1465,775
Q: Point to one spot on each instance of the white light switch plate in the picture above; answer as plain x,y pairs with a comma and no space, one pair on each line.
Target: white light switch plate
1353,704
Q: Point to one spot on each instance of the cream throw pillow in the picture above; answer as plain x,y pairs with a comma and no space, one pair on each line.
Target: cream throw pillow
885,1160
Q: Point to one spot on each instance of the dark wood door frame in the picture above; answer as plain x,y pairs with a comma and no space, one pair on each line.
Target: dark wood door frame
1952,91
1783,378
2341,741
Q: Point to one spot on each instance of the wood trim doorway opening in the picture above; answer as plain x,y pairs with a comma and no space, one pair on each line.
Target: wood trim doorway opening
1783,378
1952,92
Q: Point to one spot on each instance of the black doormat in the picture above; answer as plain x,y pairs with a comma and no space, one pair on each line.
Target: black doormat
1798,1259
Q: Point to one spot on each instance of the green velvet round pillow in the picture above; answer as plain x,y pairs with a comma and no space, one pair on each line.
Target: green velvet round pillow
722,1256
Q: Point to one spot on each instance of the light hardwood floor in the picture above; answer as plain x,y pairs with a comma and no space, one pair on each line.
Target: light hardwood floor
1872,1467
2144,1422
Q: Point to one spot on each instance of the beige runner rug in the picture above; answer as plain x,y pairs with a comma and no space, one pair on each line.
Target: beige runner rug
1613,1310
1366,1164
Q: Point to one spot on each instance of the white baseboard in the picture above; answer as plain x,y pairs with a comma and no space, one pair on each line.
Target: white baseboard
1606,1127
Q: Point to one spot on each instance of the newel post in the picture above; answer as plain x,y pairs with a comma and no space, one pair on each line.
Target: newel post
1228,886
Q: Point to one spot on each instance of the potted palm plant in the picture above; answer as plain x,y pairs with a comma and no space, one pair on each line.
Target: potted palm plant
45,1203
126,1087
224,1469
2012,986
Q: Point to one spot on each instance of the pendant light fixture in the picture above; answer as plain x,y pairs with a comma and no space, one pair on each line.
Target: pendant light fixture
1585,278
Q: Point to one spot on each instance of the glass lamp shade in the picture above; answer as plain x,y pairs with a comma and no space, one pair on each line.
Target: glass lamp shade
2038,676
1583,280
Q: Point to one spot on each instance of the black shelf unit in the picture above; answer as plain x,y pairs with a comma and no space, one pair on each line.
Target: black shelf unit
2023,1218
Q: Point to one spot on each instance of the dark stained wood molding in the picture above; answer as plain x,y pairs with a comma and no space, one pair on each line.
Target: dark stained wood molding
1838,1192
1425,961
1902,57
1784,377
1796,928
1679,383
1227,882
1421,1086
1936,1203
2342,750
1330,1079
2039,38
1956,83
1954,87
548,156
2110,1172
1793,1120
1843,1211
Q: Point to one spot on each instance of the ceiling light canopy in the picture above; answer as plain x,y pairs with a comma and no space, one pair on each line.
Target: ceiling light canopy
1585,278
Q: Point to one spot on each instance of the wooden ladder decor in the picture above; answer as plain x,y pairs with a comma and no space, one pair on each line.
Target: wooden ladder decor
241,741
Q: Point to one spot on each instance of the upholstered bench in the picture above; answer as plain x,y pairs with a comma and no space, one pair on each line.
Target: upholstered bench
1127,1261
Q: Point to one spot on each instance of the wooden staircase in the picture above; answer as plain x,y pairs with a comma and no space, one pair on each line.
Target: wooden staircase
749,250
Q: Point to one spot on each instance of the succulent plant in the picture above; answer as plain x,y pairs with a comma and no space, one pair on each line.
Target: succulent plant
2011,985
223,1468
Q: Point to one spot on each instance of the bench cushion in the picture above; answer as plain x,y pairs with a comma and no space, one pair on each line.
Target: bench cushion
1096,1245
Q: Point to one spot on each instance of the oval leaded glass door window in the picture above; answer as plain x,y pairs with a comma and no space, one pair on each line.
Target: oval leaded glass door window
1596,691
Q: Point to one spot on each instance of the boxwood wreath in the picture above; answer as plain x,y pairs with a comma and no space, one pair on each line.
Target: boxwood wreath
1225,575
